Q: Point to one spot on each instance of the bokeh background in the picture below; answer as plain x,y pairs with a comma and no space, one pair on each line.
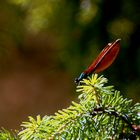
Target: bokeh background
45,44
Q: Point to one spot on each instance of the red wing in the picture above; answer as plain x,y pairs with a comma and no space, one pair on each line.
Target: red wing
105,58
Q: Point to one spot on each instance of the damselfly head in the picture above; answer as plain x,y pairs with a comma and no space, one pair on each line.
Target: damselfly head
77,81
82,76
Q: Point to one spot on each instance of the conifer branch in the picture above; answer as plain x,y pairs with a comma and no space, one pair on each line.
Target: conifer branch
102,113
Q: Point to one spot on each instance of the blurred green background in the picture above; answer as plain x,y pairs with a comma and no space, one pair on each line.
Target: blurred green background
45,44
